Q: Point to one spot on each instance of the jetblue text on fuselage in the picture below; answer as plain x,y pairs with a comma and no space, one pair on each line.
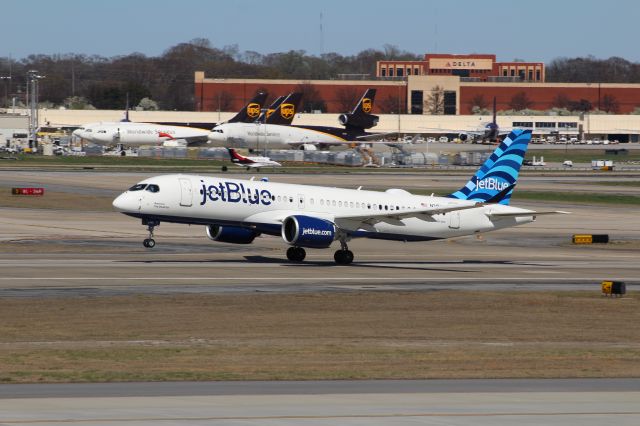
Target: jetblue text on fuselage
232,192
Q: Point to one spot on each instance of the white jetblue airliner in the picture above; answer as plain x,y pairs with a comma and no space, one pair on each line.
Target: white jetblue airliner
236,211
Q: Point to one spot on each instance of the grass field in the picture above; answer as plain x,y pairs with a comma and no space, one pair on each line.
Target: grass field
444,334
578,155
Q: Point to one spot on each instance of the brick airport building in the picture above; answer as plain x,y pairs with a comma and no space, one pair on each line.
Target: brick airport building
404,86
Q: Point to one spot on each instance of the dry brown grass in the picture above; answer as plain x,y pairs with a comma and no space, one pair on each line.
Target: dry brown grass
319,336
56,201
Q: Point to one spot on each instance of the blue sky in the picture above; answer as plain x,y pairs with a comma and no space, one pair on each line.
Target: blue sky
539,30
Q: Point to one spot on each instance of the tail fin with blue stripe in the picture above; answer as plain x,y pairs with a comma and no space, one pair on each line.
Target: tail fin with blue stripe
496,179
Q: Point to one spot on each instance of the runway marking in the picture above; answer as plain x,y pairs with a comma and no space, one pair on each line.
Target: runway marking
596,280
330,417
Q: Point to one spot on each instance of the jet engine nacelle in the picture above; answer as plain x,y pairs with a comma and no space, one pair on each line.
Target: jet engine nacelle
360,121
231,234
175,143
463,136
308,147
307,231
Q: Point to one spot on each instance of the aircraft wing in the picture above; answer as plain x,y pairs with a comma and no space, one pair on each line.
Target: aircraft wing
375,136
525,213
380,216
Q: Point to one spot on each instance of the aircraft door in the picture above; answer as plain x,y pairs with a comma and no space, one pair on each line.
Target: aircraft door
186,193
300,201
454,220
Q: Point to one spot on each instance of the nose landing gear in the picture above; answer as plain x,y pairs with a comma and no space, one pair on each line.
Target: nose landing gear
151,224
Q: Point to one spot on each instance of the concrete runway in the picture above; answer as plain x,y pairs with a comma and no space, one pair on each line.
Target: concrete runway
55,252
397,402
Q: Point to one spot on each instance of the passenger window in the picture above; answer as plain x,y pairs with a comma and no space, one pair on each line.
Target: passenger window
333,203
339,203
138,187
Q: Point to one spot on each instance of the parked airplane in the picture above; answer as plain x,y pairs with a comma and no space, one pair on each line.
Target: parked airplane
489,132
277,131
237,211
251,162
130,133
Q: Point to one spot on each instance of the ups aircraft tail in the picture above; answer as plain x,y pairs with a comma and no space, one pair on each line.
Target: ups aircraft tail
268,111
251,111
284,113
495,180
361,118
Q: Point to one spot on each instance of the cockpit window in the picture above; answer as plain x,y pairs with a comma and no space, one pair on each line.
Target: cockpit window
153,188
138,187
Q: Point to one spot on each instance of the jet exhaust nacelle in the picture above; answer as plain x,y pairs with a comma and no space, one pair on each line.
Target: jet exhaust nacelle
306,231
358,120
231,234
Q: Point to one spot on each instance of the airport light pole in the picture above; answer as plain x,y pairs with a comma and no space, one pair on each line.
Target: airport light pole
33,77
6,79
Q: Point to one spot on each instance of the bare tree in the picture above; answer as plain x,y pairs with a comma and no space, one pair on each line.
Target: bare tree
520,101
435,101
610,104
346,97
389,105
311,98
480,102
561,101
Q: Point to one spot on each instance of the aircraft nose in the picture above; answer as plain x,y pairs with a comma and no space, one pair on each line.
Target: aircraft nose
124,203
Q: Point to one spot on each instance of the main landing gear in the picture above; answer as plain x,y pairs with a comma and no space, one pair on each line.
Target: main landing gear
344,256
296,254
150,242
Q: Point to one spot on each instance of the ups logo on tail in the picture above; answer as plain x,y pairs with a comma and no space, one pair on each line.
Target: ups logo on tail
287,111
366,105
253,110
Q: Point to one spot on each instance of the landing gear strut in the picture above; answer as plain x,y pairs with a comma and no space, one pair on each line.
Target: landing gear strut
344,256
150,242
296,254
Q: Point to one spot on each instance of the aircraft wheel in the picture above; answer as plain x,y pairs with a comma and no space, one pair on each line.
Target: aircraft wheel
343,257
149,243
296,254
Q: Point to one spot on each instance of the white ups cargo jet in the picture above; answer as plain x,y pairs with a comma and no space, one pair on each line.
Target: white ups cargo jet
128,133
237,211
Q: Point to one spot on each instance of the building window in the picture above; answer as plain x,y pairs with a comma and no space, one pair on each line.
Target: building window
530,75
538,75
504,72
572,125
416,71
399,72
390,72
408,71
527,124
545,124
513,73
383,72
